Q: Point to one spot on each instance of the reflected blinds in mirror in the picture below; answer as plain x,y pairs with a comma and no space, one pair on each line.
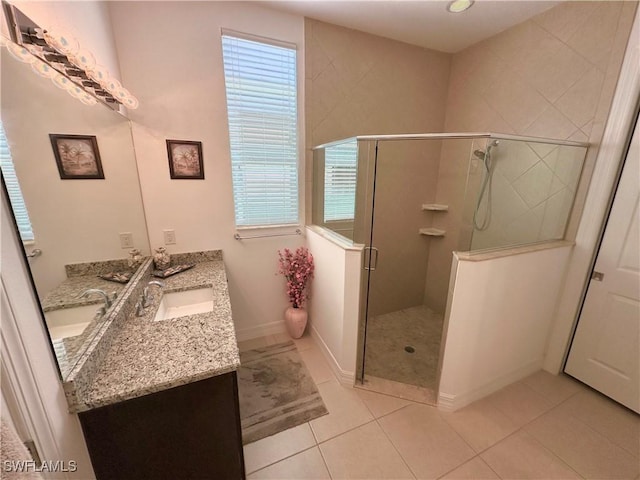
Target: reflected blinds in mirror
13,189
340,181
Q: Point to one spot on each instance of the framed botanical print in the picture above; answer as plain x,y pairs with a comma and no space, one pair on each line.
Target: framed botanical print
77,156
185,159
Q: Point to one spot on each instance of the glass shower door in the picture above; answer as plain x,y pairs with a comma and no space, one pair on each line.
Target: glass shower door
402,337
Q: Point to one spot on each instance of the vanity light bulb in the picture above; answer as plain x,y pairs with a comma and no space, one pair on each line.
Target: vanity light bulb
20,53
61,41
98,74
43,69
88,99
112,85
61,81
121,93
75,91
83,59
131,102
34,49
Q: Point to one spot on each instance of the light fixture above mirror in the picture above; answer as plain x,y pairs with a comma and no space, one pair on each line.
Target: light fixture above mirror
59,56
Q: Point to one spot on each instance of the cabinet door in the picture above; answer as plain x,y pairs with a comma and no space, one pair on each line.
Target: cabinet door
191,431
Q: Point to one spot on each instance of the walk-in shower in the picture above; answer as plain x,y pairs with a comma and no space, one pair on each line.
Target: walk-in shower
411,201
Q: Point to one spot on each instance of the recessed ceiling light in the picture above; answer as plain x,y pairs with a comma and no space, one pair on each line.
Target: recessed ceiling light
458,6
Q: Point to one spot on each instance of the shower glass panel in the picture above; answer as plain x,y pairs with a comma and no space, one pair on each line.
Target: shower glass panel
520,192
334,187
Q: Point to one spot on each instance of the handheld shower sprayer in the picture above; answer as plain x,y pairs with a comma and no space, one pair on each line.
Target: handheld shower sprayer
485,156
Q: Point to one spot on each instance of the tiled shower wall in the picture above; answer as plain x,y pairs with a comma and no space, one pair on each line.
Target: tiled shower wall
551,76
533,187
358,84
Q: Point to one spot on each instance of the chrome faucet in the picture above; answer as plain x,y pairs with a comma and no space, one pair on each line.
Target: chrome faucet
146,298
107,301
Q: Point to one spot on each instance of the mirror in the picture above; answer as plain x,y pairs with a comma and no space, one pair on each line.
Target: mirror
78,223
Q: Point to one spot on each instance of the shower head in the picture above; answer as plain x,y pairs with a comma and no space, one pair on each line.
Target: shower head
480,154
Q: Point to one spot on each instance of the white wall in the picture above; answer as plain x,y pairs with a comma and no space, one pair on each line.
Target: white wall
498,322
171,57
335,298
73,220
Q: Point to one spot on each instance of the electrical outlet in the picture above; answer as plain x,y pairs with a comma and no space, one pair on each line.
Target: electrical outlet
126,240
169,237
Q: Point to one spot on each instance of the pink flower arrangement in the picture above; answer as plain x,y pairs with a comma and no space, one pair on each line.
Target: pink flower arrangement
297,268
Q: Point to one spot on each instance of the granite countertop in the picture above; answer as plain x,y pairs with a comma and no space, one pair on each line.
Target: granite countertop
66,294
147,356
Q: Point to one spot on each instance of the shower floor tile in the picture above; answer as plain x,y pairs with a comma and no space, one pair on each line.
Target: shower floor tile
389,334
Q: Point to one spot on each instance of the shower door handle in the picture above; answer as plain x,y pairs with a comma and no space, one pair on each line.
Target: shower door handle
372,265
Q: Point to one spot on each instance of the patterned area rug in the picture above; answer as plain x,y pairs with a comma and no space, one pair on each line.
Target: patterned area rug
276,392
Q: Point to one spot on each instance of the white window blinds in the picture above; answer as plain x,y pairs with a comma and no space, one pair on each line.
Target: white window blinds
340,166
13,189
261,88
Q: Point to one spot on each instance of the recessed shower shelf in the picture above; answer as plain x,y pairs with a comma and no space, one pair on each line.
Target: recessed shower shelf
432,232
435,207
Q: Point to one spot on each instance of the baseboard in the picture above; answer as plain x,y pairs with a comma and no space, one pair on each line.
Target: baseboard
451,402
262,330
345,377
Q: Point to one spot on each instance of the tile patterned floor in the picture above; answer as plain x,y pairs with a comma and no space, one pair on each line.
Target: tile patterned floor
387,336
543,427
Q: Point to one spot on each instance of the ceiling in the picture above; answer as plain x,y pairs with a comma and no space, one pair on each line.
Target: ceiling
426,23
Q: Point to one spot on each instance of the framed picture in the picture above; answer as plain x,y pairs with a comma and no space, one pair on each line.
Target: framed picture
185,159
77,156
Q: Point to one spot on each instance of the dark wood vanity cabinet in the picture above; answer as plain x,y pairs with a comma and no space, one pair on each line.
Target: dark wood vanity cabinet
191,431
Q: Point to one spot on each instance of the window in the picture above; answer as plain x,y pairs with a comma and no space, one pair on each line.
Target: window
14,191
340,163
261,88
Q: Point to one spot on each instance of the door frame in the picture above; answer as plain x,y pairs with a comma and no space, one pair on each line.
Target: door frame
19,386
608,167
28,360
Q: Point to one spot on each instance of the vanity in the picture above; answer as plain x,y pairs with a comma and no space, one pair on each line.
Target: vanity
159,398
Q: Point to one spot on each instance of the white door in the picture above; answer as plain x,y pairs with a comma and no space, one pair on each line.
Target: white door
605,352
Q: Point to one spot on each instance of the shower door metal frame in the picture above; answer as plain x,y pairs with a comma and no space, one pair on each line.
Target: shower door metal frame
369,204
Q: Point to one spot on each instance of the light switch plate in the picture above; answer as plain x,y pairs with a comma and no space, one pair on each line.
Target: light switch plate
126,240
169,237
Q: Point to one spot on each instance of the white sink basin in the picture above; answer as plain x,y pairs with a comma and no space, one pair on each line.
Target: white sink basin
69,322
189,302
